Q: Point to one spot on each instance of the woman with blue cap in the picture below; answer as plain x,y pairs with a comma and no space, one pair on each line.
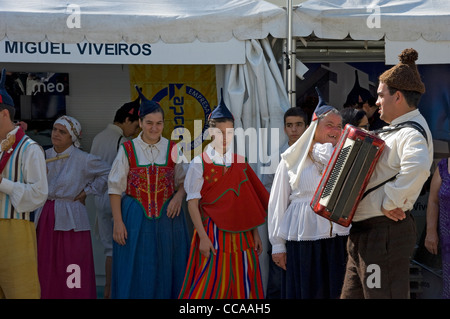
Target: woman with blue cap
151,241
226,202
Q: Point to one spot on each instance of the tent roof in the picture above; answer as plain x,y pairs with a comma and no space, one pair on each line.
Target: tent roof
396,20
140,21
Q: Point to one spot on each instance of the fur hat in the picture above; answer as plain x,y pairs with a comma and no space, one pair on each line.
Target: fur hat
404,75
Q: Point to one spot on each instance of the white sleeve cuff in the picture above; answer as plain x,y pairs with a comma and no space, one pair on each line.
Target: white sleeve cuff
6,186
278,248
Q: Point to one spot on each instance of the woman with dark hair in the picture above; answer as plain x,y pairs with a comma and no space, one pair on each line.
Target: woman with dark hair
355,117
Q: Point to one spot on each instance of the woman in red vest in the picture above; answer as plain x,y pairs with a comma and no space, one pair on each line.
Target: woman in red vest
226,202
151,242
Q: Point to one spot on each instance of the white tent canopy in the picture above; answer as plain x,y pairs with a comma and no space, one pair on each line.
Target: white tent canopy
139,21
169,21
253,89
421,24
396,20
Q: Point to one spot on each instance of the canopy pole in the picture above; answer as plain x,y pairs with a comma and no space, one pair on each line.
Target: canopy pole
290,67
293,73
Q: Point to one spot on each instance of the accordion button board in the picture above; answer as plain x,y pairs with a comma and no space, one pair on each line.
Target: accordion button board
346,176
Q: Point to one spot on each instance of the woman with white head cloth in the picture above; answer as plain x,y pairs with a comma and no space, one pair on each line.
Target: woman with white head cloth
308,246
63,229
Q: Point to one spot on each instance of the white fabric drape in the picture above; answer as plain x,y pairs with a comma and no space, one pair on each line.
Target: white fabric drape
137,21
255,94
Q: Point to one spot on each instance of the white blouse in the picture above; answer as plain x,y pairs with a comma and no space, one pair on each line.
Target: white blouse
146,154
290,216
67,177
194,177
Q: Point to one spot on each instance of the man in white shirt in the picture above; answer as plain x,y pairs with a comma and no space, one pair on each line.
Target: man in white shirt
105,145
383,232
23,188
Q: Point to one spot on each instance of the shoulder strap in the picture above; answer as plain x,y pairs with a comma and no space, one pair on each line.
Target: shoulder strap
129,151
20,134
377,186
172,153
118,143
399,126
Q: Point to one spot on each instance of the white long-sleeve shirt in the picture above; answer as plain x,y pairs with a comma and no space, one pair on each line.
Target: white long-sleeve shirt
194,178
290,216
407,153
27,194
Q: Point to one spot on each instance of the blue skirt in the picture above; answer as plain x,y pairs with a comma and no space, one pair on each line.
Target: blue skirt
152,263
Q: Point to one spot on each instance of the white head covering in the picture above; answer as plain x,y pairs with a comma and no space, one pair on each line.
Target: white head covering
73,126
296,154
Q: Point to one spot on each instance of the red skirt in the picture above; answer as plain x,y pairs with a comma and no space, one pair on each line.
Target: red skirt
233,273
65,260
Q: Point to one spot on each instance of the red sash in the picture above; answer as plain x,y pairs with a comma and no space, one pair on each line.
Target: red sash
234,198
7,153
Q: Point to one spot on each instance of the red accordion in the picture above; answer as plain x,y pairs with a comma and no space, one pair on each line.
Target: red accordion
346,176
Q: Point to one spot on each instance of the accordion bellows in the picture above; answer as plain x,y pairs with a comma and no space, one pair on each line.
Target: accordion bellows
346,176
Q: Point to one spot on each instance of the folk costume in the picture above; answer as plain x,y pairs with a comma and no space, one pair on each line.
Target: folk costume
232,203
314,246
63,228
152,262
397,180
23,188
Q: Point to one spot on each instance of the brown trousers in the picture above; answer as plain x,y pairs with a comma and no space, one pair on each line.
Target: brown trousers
379,251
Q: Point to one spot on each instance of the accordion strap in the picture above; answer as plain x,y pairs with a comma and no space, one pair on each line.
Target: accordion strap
377,186
399,126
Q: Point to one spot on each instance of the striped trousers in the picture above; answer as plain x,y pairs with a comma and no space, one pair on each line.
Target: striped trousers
232,273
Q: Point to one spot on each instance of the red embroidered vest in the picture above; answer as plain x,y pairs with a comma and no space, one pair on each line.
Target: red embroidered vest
151,185
233,197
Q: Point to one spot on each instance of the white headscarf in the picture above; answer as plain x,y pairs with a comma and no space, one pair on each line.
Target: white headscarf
296,154
73,126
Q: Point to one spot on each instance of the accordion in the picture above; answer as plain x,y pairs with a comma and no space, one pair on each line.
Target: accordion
346,176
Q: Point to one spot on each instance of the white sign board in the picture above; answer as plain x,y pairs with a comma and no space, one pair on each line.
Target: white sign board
230,52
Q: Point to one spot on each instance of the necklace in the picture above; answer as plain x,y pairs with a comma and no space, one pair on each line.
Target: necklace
317,164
